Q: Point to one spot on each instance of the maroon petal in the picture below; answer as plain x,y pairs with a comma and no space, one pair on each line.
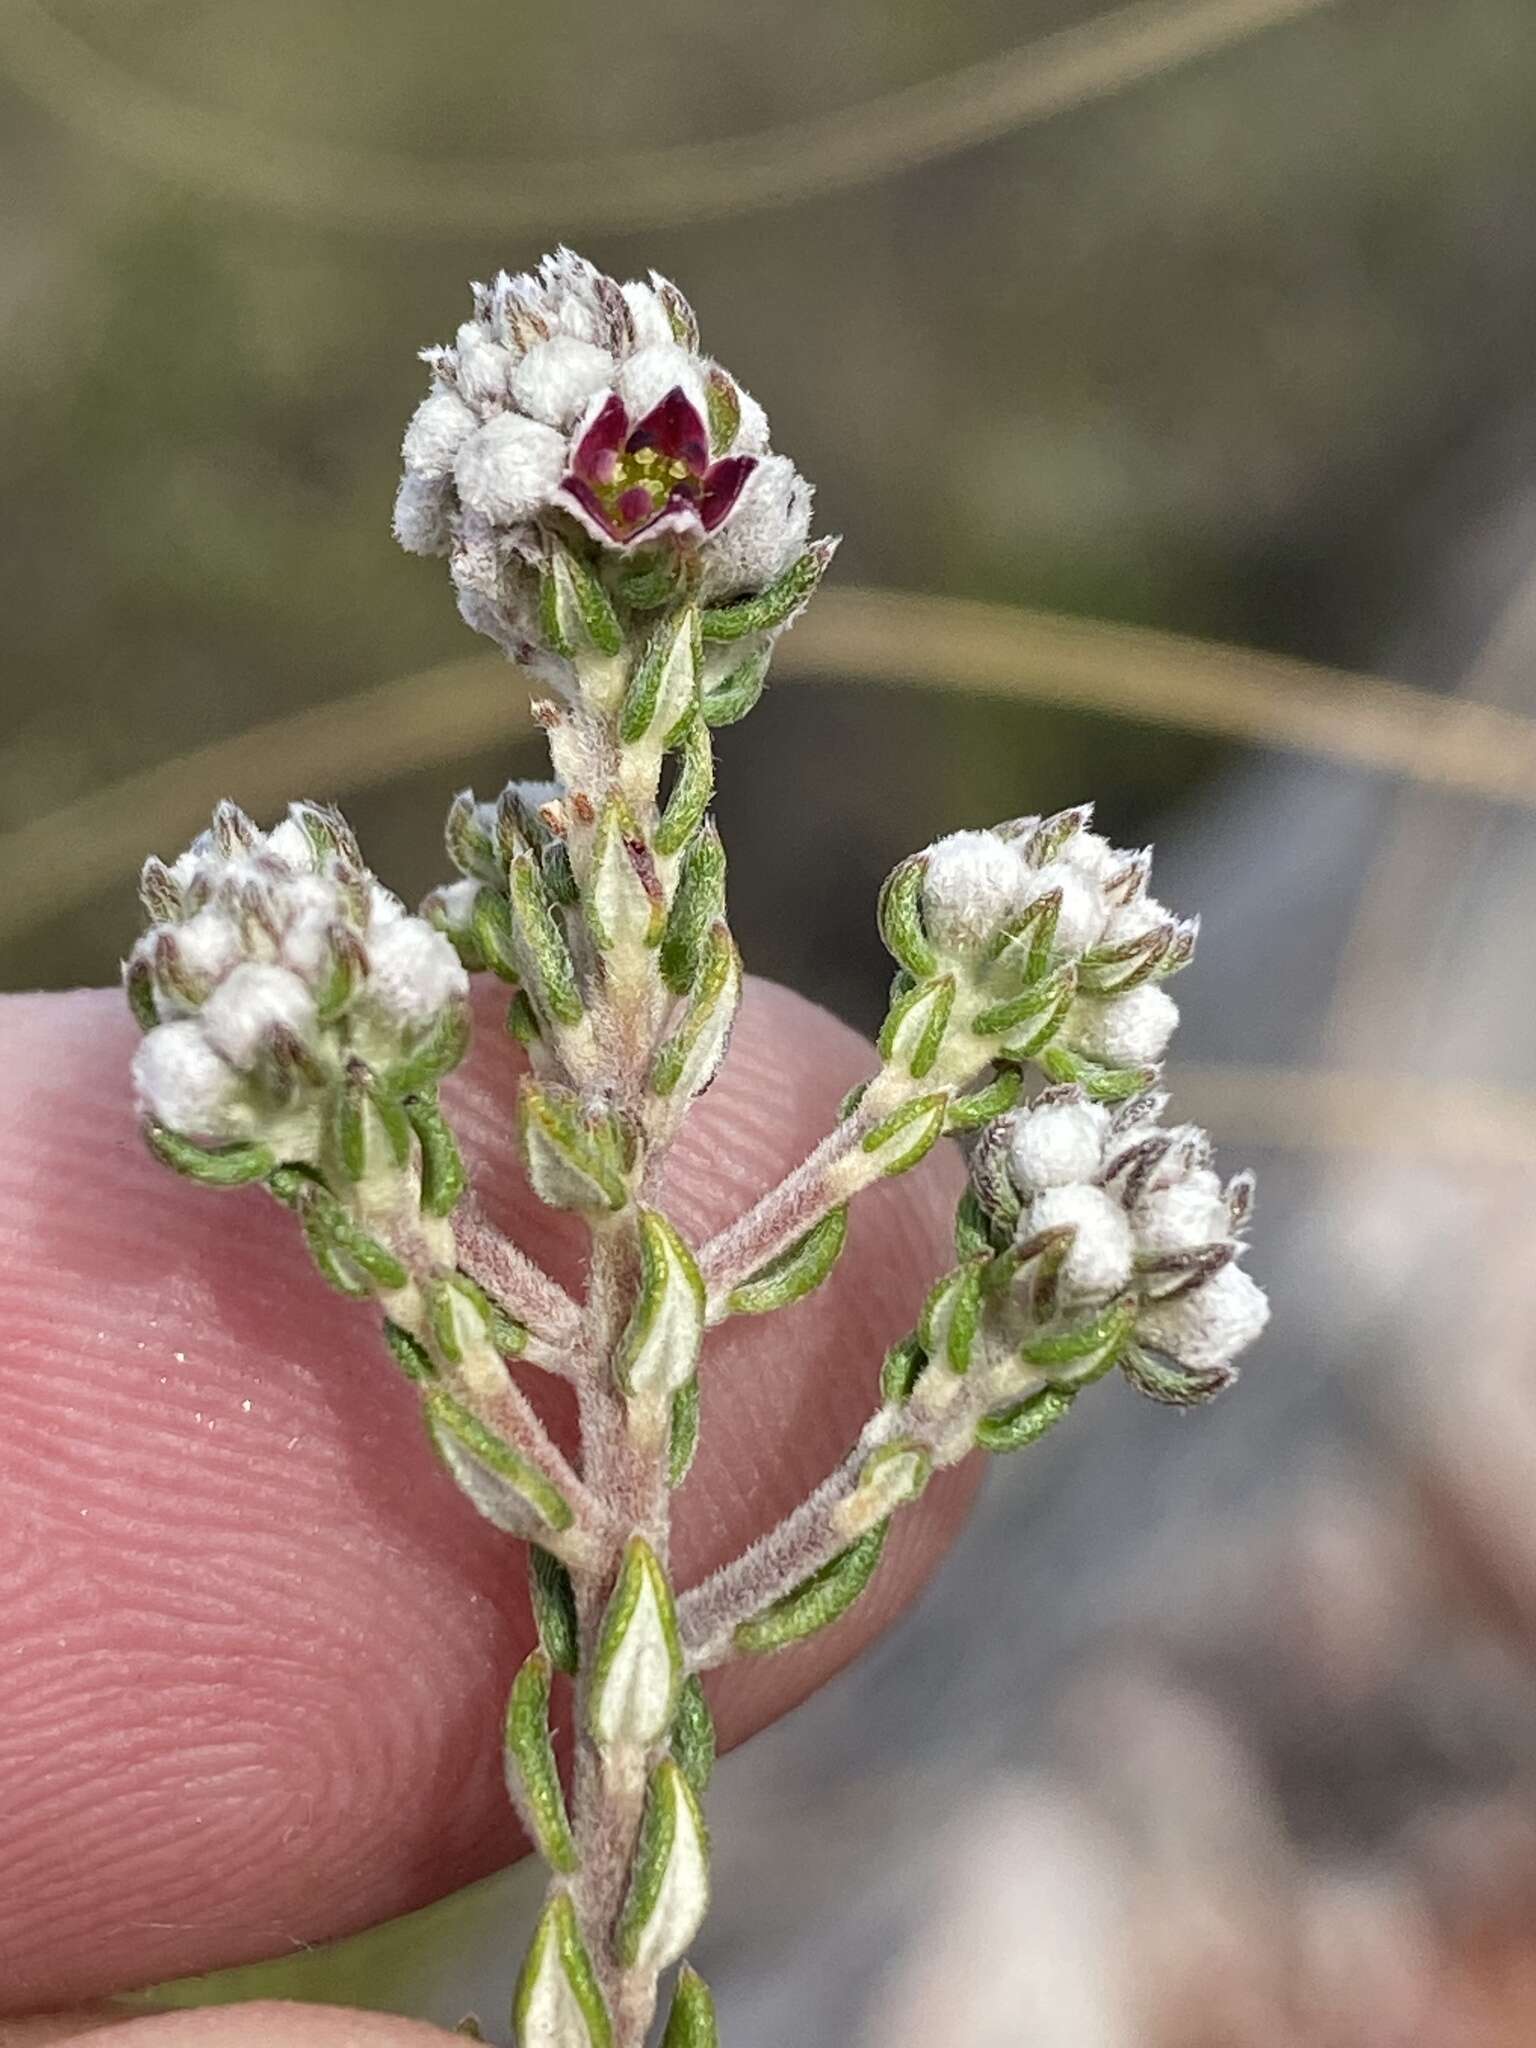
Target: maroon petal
596,454
722,487
676,431
590,508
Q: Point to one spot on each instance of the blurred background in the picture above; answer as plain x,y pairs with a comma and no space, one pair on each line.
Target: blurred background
1170,372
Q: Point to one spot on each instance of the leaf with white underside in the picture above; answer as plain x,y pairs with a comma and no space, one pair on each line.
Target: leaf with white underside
558,2002
507,1488
952,1315
893,1476
660,1346
533,1783
914,1031
900,1140
573,1160
639,1664
689,1059
621,909
669,1879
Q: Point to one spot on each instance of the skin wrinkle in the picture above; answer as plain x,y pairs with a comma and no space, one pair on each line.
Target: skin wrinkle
252,1660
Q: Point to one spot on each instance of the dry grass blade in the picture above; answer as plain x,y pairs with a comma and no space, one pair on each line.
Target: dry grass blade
222,156
1165,679
446,713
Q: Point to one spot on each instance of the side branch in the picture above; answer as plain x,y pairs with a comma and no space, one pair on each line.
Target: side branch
802,1544
852,1156
521,1286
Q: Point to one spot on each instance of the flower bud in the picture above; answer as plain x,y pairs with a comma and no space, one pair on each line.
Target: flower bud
1207,1326
973,884
567,401
255,1010
1097,1261
180,1081
1057,1142
1131,1030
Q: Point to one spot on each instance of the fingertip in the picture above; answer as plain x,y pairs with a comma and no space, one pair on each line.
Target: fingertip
264,2023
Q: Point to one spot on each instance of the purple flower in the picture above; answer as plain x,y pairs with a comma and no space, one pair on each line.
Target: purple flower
633,482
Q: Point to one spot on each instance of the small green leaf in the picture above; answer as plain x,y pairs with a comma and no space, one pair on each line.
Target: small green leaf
892,1477
507,1488
900,917
852,1099
522,1024
1021,952
215,1166
904,1365
622,898
900,1140
573,1159
818,1601
139,988
697,904
533,1782
443,1179
1013,1429
413,1359
796,1271
692,1740
691,2022
438,1054
970,1112
651,581
1003,1019
335,1269
913,1032
540,942
347,1131
737,691
665,685
691,792
554,1608
689,1059
326,1223
1074,1357
683,1434
1101,1084
776,606
574,607
951,1315
660,1347
507,1334
491,923
723,402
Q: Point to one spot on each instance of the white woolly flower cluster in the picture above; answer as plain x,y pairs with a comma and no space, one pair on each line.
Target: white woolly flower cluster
1139,1208
1052,882
574,404
274,966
